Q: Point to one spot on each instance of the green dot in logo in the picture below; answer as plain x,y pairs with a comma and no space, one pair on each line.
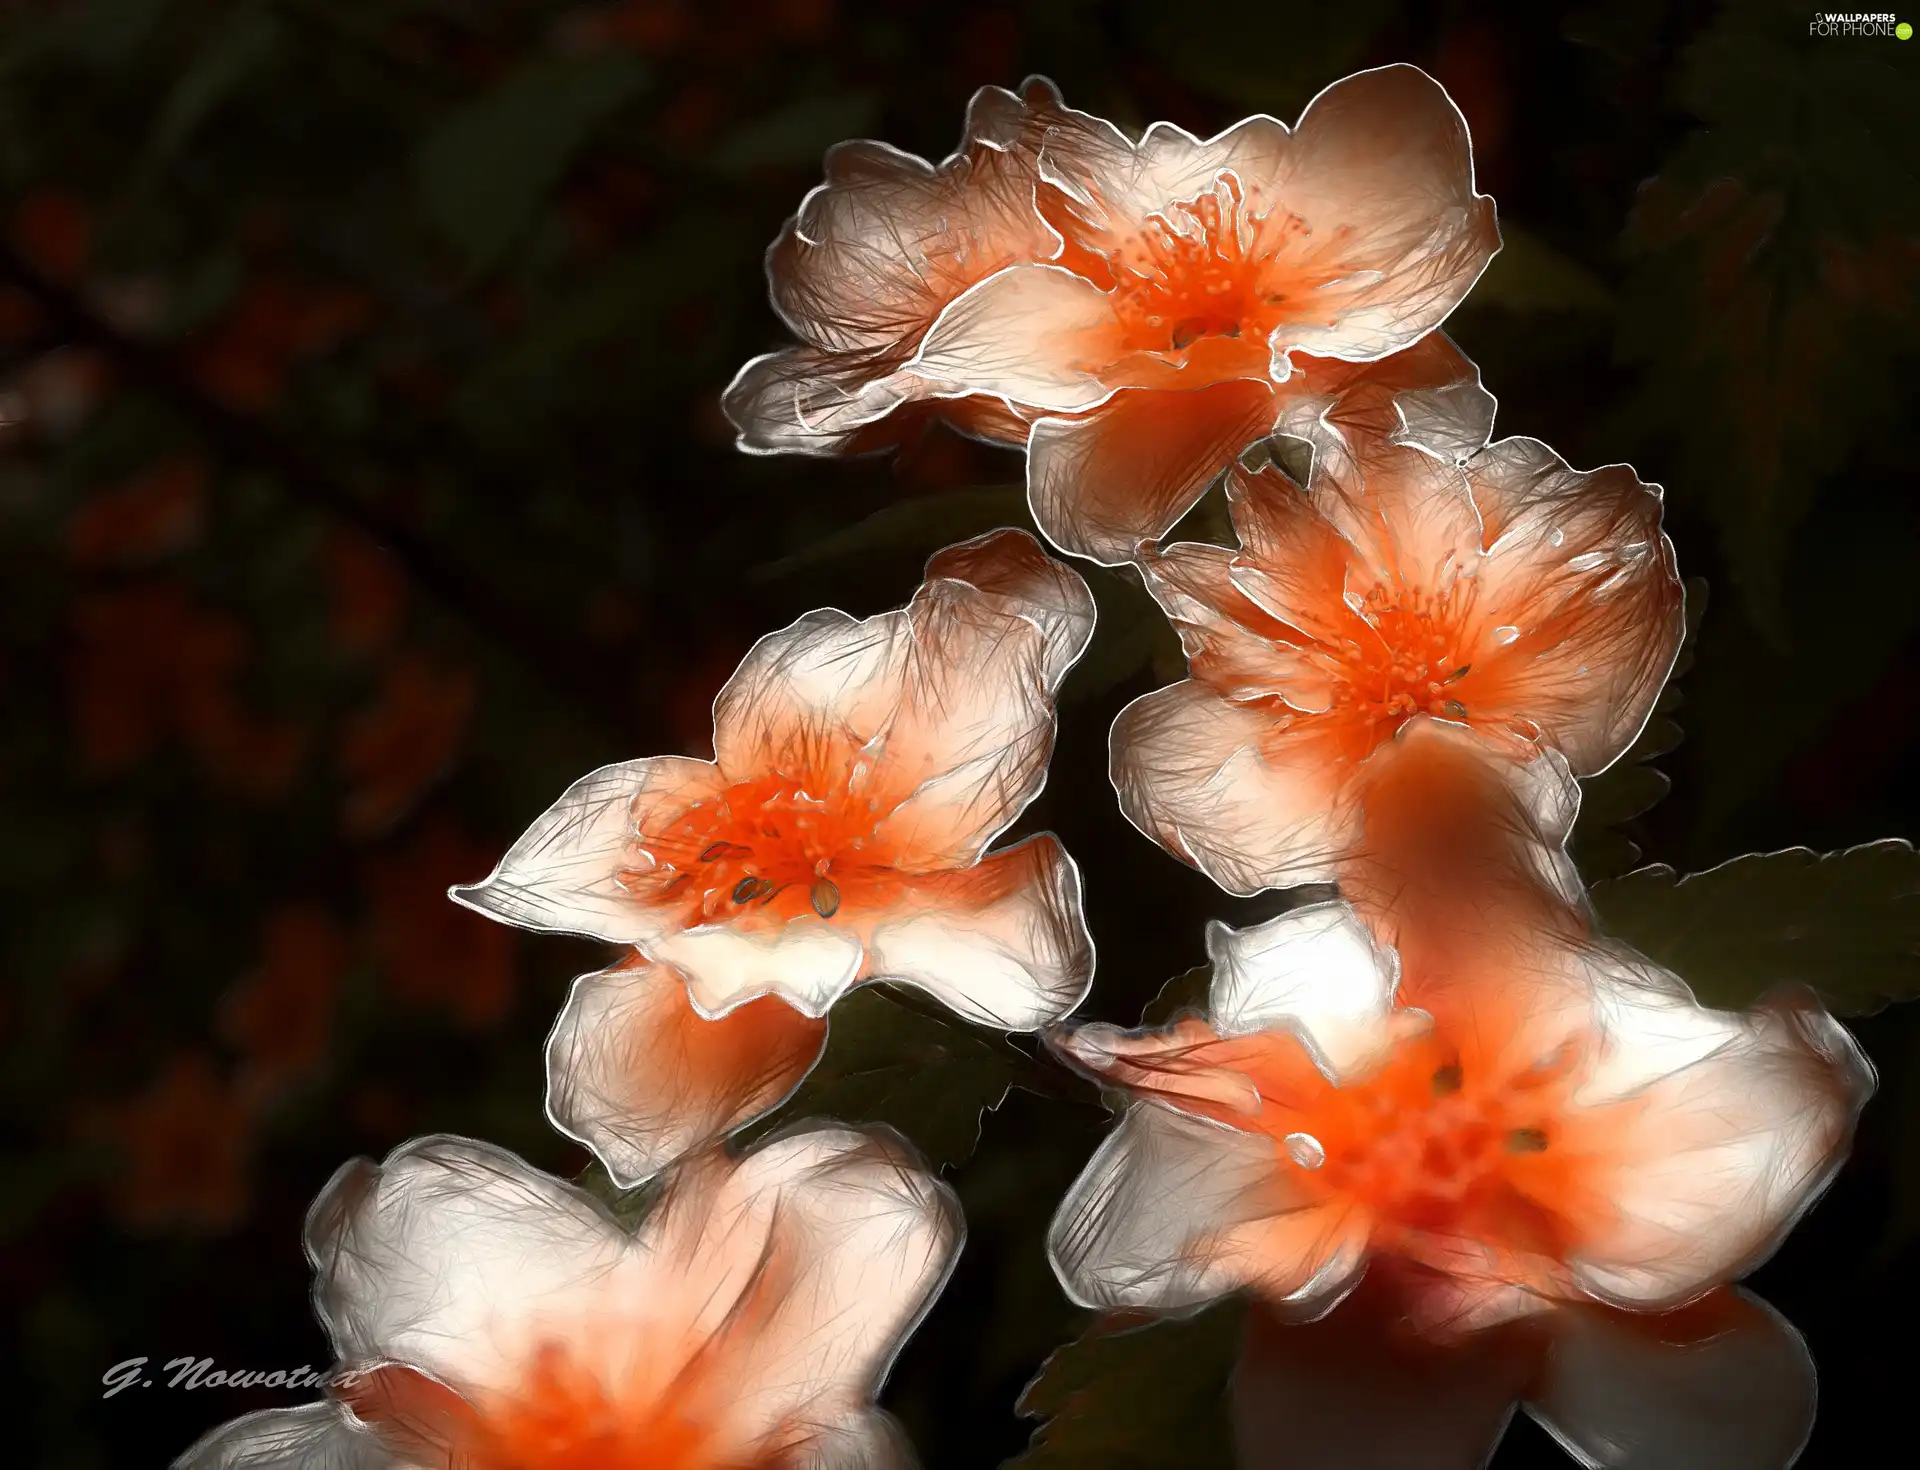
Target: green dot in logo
1903,31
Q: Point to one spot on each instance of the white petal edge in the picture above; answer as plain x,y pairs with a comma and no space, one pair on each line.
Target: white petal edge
317,1436
1315,970
561,875
1018,964
1152,1222
808,963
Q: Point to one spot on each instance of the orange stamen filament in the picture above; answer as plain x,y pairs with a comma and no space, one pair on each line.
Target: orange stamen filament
564,1418
1409,653
1210,266
773,846
1431,1145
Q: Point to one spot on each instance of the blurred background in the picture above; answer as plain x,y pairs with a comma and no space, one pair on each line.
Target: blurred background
363,481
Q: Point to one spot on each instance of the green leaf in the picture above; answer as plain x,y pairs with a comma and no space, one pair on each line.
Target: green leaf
486,169
1130,1395
927,522
799,133
922,1071
1845,923
235,51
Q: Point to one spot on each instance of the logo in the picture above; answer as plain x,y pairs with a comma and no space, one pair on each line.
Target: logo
1830,23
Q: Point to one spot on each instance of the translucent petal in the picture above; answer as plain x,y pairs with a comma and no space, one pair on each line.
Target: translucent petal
1726,1384
1101,484
563,873
1174,1211
1211,782
311,1437
637,1074
1315,970
1004,944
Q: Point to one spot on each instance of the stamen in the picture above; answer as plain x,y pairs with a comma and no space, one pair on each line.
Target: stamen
825,895
1526,1141
1447,1079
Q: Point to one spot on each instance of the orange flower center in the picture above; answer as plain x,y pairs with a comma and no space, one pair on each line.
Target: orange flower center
1213,266
773,847
1431,1143
564,1418
662,1414
1409,661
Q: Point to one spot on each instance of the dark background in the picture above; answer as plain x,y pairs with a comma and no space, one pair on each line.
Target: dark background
363,482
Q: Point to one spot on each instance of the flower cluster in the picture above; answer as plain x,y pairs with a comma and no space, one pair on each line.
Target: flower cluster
1445,1081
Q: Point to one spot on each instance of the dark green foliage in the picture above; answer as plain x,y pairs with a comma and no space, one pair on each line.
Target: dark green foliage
896,1060
1138,1394
1846,924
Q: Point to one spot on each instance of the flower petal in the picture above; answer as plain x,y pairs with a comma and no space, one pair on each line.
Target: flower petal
1174,1211
816,690
1101,484
1009,568
1116,183
941,712
871,1440
1036,335
1410,516
641,1077
1382,159
1314,970
439,1256
1353,1391
1294,564
1186,1066
563,873
1742,1120
1427,396
968,745
1578,571
807,963
310,1437
804,400
793,1273
1004,944
1233,644
1211,782
872,1237
1726,1384
1463,848
888,239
